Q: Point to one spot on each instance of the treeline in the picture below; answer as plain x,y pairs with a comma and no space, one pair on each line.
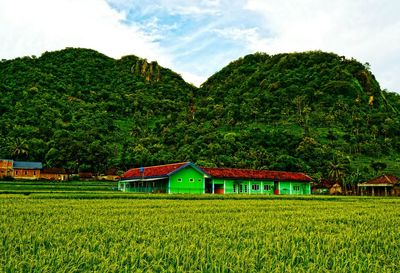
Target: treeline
314,112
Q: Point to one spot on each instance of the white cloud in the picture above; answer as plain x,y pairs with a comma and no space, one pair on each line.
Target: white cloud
192,8
366,30
250,36
194,79
32,27
172,7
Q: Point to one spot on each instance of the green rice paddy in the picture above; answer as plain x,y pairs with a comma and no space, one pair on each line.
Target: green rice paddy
117,232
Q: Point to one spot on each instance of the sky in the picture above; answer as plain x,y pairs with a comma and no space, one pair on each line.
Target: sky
197,38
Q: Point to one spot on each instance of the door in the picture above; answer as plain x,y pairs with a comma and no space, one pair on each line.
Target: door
276,187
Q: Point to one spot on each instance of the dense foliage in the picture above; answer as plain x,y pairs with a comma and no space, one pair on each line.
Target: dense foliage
315,112
272,235
81,110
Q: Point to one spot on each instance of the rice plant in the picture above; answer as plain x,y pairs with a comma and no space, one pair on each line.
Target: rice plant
228,235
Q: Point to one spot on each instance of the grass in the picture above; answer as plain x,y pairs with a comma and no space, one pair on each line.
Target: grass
229,235
53,229
27,187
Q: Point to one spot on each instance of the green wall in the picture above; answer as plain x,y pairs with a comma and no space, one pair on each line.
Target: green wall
187,180
245,186
158,186
294,187
262,187
191,180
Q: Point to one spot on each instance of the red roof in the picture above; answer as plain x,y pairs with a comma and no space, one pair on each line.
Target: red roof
383,179
154,171
165,170
255,174
54,171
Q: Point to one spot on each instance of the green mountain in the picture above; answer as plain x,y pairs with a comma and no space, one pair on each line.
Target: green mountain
315,112
82,110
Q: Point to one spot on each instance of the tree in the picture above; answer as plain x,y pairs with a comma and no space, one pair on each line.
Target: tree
18,148
336,172
378,166
338,169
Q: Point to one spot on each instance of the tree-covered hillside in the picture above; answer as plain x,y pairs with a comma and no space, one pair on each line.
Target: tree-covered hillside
315,112
82,110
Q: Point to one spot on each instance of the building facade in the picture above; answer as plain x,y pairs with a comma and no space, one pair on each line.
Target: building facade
6,168
54,174
27,170
186,177
20,169
383,185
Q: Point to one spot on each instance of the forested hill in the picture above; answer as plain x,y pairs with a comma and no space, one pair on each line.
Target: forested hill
82,110
315,112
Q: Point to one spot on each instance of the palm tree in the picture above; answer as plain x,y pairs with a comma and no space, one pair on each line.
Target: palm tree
18,148
337,172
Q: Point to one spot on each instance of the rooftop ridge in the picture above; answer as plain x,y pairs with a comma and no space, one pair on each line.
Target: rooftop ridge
162,165
227,168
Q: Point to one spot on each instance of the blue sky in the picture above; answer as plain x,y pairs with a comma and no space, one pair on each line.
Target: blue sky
195,33
198,38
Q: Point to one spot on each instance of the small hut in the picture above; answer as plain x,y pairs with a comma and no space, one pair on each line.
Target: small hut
383,185
335,189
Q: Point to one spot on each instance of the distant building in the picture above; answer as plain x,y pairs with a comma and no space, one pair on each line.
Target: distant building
86,176
27,170
20,169
6,168
109,175
55,174
186,177
383,185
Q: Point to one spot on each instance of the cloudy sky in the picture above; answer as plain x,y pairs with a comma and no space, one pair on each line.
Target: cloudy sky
196,38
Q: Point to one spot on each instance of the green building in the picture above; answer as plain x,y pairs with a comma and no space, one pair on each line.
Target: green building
186,177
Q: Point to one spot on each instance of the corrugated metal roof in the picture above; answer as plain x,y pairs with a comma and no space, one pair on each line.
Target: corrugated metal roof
166,170
54,171
27,165
154,171
256,174
383,179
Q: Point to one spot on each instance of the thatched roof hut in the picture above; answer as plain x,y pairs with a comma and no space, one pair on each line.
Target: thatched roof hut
335,189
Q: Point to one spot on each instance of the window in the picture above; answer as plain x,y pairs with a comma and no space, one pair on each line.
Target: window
234,188
191,180
26,172
243,188
16,172
34,172
255,187
296,188
267,187
199,180
179,179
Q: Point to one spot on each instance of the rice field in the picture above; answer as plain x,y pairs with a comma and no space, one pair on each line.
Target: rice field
171,234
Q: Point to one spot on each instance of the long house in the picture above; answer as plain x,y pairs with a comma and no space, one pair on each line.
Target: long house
20,169
186,177
23,170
